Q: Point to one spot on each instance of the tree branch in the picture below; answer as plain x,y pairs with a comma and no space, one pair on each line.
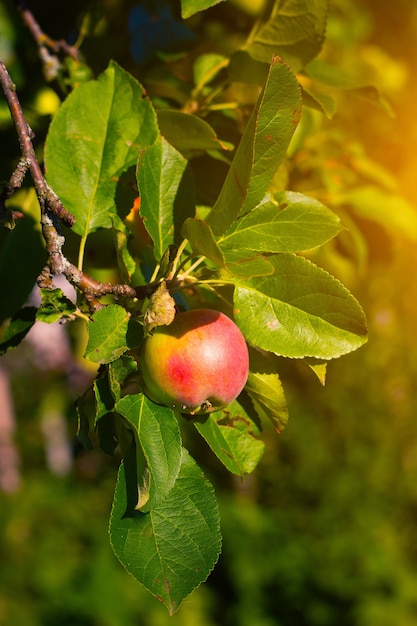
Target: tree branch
52,210
51,62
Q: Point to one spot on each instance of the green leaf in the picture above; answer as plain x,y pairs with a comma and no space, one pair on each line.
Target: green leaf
189,7
319,101
102,394
299,311
55,305
97,135
206,67
189,134
265,389
246,264
17,274
18,328
294,223
232,442
120,371
125,262
202,240
174,547
159,437
262,148
107,334
166,191
295,30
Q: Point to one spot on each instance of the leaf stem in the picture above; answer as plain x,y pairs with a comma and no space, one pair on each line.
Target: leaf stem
180,250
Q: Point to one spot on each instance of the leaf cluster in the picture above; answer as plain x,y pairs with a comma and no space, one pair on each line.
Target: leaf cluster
126,166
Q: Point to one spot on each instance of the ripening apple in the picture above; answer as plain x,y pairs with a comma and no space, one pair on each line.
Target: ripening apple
197,364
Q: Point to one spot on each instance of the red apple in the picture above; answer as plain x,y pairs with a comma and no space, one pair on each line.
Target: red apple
197,364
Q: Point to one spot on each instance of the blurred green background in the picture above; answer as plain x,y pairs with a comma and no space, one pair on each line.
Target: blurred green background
325,530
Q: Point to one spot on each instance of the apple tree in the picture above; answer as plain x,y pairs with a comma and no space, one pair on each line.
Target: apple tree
179,181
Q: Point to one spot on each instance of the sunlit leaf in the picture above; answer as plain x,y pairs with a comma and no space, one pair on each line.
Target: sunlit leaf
95,137
295,30
172,548
299,311
261,150
54,306
107,332
292,223
189,7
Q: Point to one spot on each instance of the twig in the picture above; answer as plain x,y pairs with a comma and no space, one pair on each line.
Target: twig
29,160
51,62
52,210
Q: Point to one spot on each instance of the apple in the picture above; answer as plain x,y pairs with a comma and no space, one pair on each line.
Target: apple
197,364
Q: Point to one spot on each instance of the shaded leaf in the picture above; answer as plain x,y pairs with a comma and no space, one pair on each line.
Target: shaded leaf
174,547
265,389
18,328
189,134
159,437
166,191
232,442
120,371
125,262
17,275
202,240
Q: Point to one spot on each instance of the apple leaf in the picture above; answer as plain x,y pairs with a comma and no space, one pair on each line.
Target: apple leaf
202,240
262,148
120,370
166,192
245,263
111,332
232,442
18,328
103,396
159,437
299,311
55,305
265,389
95,137
172,548
295,30
189,7
189,134
295,222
